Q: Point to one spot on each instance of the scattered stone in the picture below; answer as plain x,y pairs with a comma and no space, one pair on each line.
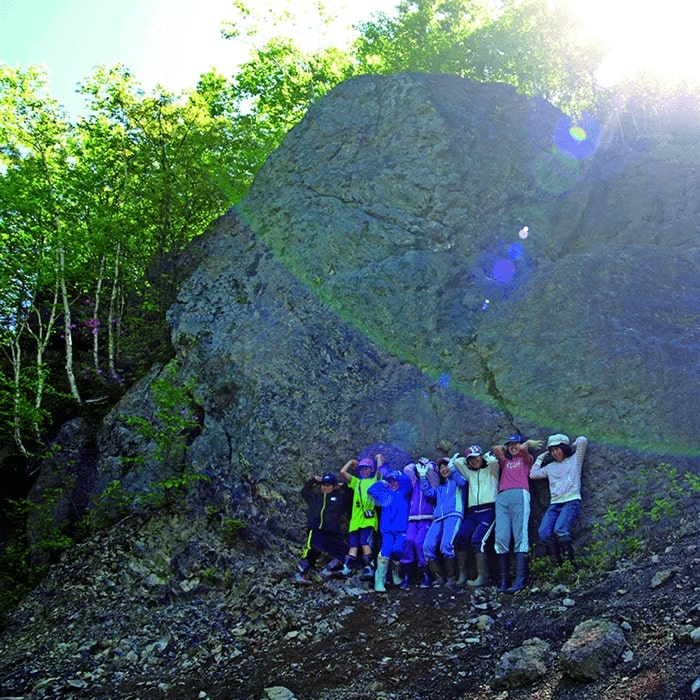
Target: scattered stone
522,666
594,646
484,622
278,692
559,591
660,577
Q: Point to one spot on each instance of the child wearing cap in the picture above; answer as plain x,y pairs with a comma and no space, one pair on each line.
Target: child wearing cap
561,464
481,472
363,515
513,508
392,494
328,505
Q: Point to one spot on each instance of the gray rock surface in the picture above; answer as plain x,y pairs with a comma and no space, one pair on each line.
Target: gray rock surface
594,646
360,294
522,666
424,263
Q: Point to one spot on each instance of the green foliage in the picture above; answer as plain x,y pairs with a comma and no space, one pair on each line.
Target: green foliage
112,505
173,421
16,575
93,214
231,530
532,45
171,492
169,431
544,569
626,529
24,561
426,36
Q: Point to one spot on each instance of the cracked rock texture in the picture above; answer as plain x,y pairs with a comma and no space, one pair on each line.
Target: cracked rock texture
424,263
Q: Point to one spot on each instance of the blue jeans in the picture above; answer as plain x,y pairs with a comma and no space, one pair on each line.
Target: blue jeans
558,519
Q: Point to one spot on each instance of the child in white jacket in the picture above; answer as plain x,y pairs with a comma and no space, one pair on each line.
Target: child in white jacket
561,464
481,472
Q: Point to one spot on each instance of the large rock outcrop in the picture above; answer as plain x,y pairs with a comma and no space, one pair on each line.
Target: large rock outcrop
431,262
425,262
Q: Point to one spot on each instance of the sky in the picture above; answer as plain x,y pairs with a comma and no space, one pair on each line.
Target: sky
652,35
172,42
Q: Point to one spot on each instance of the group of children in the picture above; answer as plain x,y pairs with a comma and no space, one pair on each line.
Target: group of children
429,514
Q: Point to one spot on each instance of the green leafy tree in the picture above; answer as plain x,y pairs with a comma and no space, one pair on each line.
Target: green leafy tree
166,160
94,215
540,49
34,236
530,44
426,36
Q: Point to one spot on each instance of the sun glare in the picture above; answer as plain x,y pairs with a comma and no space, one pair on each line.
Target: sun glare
644,35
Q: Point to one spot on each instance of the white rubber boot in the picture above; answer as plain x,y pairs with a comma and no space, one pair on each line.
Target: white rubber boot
380,574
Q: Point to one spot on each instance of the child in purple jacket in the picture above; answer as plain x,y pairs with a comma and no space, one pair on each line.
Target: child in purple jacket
420,515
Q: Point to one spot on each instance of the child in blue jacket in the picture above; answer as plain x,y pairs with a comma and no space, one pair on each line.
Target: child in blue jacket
393,494
447,518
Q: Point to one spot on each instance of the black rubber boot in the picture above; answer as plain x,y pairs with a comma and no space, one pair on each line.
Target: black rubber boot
451,569
503,566
565,544
520,573
482,572
552,548
434,566
406,581
462,558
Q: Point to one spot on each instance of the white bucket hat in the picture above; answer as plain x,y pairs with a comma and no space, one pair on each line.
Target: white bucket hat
558,439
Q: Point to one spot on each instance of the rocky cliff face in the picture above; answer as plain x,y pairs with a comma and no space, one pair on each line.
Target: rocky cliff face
424,263
430,262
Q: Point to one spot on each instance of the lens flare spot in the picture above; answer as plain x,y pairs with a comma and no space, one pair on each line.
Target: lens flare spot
485,305
403,436
503,270
578,133
577,140
396,455
515,251
524,232
444,380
